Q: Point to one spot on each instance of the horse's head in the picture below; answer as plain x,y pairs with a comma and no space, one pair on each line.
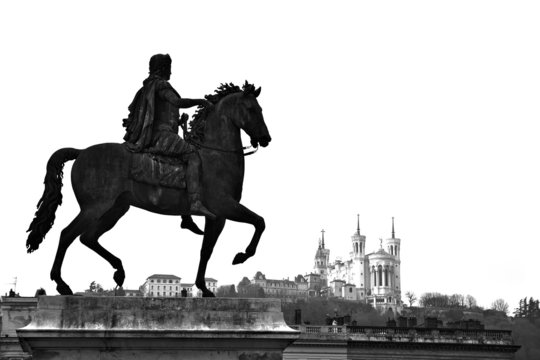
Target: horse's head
246,113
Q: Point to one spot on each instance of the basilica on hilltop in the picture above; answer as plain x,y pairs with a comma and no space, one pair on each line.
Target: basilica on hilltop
371,277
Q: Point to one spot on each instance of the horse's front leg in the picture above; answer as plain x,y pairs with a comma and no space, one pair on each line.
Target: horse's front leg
237,212
212,230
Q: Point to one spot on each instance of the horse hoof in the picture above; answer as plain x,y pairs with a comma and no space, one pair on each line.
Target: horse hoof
208,294
239,258
119,277
64,289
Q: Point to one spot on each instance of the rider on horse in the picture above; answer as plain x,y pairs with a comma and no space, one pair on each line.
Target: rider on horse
152,126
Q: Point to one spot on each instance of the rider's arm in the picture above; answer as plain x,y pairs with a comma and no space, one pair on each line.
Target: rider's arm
183,103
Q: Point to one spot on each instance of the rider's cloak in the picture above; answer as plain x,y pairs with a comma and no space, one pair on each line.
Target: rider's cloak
141,116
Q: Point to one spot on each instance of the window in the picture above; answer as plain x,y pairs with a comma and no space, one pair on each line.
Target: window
158,280
151,281
350,290
158,293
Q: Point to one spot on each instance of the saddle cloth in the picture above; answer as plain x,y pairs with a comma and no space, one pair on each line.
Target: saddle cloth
159,170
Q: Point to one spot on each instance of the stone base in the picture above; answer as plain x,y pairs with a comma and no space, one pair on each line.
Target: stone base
16,312
72,327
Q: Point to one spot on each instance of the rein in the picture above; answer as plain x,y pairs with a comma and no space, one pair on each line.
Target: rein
251,152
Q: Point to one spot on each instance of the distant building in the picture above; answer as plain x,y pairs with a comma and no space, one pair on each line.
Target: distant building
161,285
280,288
211,284
128,292
374,277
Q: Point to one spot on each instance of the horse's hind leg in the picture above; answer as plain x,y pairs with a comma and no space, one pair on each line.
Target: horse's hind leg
106,222
212,230
68,235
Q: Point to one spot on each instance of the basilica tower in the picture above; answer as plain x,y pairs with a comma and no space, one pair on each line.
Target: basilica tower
358,242
360,266
322,259
393,247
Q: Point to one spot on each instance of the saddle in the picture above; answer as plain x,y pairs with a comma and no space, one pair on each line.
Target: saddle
154,169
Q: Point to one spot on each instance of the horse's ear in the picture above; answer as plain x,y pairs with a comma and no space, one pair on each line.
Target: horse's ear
258,92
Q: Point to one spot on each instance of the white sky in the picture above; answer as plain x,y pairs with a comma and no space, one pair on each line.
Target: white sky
422,110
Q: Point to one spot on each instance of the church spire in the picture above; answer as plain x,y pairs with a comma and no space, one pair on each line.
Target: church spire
393,232
322,241
358,224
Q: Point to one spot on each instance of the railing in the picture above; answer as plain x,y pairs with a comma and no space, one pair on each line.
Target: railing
379,333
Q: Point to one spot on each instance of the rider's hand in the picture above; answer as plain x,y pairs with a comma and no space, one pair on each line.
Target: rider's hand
206,103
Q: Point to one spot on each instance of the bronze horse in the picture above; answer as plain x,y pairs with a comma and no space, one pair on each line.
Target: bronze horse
104,190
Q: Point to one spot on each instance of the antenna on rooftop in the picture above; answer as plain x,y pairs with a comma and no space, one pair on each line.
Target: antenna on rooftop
14,284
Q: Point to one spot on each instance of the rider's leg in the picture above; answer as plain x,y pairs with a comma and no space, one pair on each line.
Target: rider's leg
194,187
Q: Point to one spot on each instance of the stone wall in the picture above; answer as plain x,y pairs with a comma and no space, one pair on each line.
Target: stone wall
17,312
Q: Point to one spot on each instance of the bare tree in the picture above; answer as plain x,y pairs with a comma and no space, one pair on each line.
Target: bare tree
411,297
500,305
470,301
456,301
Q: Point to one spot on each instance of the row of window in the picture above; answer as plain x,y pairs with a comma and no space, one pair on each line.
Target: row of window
165,281
164,294
164,287
282,286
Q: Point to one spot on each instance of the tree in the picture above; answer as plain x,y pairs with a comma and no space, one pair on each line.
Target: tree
411,297
40,291
456,301
95,287
434,300
232,291
500,305
251,291
470,301
226,291
528,308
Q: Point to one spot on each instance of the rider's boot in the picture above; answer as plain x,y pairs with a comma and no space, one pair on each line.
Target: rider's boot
196,207
193,186
189,224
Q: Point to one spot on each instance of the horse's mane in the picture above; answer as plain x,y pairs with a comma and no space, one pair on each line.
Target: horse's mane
197,124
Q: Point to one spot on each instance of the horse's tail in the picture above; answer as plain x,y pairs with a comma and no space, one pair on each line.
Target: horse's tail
51,199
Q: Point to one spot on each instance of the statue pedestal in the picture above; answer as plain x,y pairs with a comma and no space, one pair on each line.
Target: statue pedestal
73,327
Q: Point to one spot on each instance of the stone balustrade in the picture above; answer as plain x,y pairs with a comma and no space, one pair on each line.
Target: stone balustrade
421,335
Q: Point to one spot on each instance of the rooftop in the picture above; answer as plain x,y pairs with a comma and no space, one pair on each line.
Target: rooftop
163,276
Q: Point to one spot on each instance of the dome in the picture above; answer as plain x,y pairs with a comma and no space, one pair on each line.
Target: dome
381,253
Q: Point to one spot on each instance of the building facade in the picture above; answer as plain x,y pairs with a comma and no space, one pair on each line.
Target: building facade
370,277
161,285
281,288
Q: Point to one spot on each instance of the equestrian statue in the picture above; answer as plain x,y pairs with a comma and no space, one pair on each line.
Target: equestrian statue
157,170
